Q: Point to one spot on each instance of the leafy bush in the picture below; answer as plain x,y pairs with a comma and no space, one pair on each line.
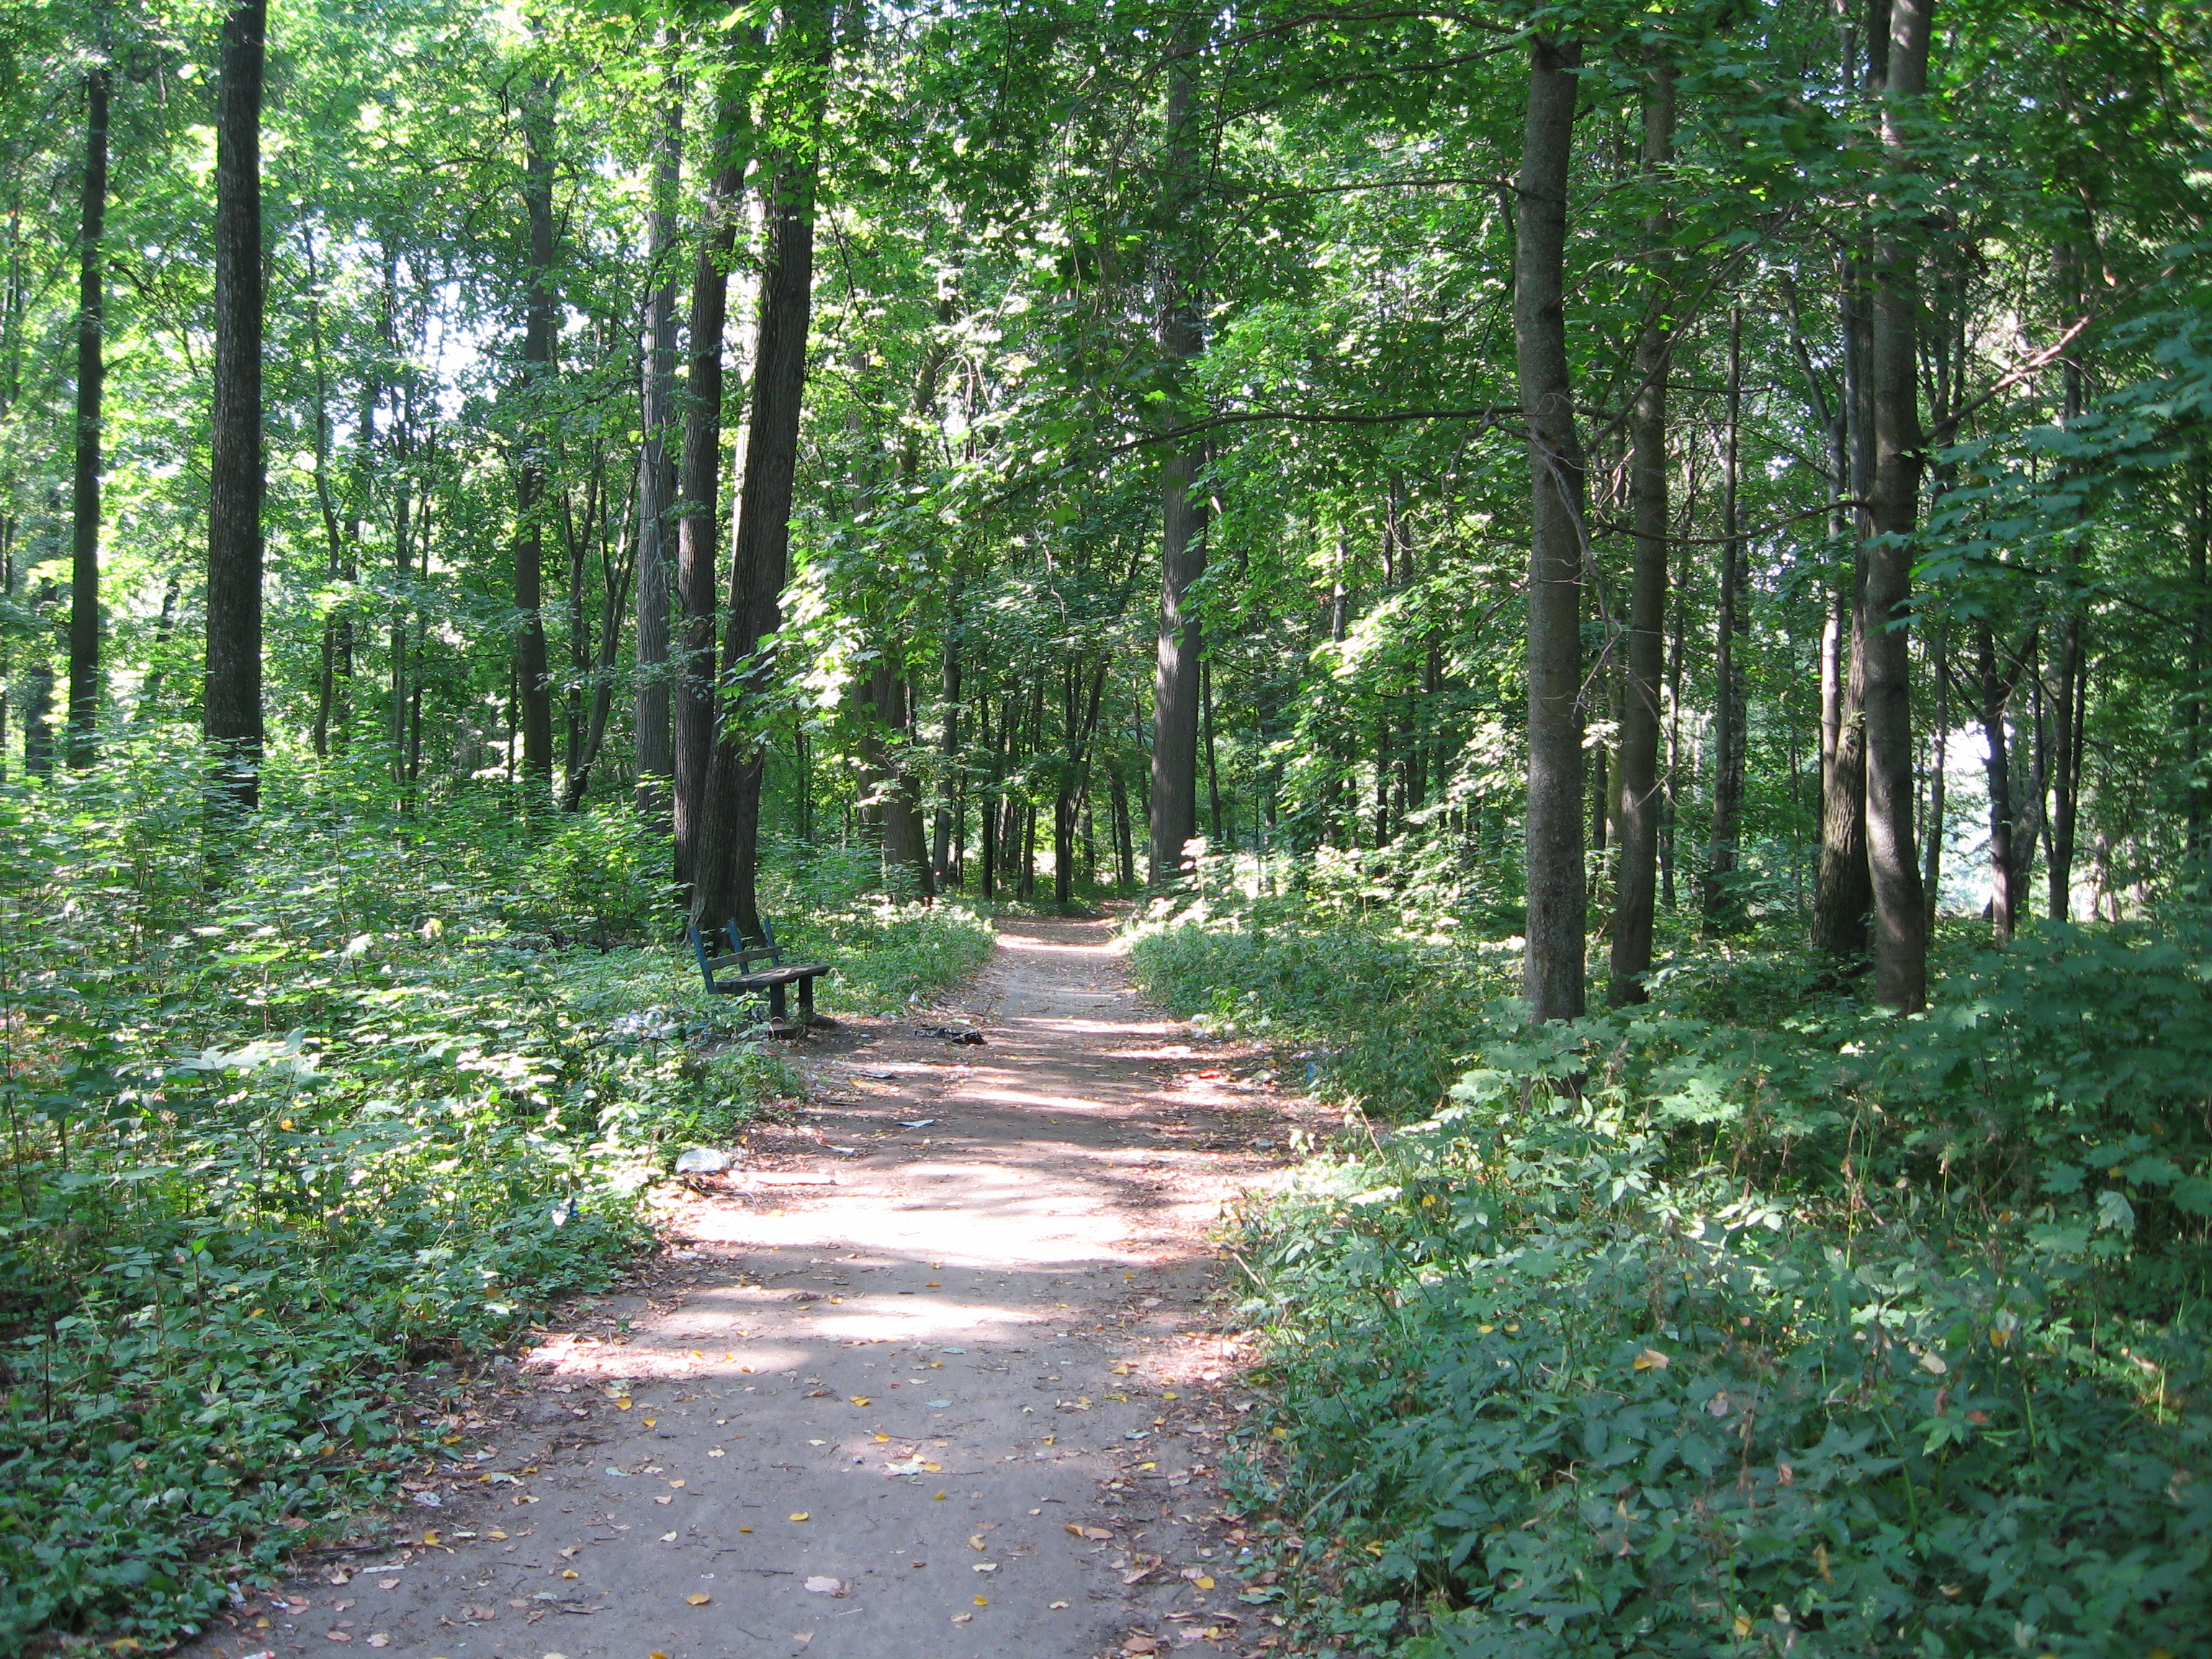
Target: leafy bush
1749,1320
296,1106
1543,1401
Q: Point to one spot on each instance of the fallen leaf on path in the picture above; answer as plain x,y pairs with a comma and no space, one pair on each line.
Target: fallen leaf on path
568,1553
1056,1605
1088,1532
698,1598
858,1399
976,1540
478,1612
798,1515
387,1584
668,1538
666,1498
821,1585
985,1566
982,1600
337,1635
1138,1642
957,1619
380,1640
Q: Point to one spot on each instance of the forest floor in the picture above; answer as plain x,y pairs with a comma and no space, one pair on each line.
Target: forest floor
945,1368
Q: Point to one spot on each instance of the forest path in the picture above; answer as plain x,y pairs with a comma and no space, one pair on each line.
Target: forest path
874,1419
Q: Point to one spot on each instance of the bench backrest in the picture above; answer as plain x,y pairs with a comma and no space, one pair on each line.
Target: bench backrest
742,958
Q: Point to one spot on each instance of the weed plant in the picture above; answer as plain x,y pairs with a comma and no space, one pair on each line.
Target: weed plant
1751,1321
306,1112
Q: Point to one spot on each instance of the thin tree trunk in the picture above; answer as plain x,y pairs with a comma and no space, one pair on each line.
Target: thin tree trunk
940,851
1931,874
656,478
2006,870
1899,906
2065,739
1552,976
699,492
91,312
530,663
1643,798
726,878
1721,912
231,705
2198,850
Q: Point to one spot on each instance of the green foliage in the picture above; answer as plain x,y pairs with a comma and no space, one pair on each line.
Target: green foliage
296,1109
1379,1004
1750,1320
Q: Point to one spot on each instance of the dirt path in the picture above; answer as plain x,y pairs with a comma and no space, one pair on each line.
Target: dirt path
966,1400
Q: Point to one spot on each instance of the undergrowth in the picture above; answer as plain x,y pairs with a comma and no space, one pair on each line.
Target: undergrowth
305,1114
1751,1321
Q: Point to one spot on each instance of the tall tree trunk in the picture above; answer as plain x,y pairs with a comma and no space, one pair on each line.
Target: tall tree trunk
1899,908
726,879
940,851
2197,852
91,312
530,665
699,493
2066,679
1182,514
656,479
1843,894
1931,871
903,847
1722,911
2008,868
231,706
1643,799
1551,974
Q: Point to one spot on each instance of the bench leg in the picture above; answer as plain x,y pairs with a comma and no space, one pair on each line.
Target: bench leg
806,1002
775,1003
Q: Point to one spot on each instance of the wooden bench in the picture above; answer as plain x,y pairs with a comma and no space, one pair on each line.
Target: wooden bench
749,970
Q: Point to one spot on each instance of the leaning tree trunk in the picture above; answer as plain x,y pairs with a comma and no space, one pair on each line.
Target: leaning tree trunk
699,509
1900,907
1643,798
1182,521
91,311
656,480
1552,968
726,880
231,706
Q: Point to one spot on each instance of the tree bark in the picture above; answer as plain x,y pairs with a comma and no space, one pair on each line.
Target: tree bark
2066,685
1552,976
726,882
2197,851
1844,894
2008,865
1722,911
699,492
231,712
1643,798
91,369
530,665
656,480
1182,521
1900,905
